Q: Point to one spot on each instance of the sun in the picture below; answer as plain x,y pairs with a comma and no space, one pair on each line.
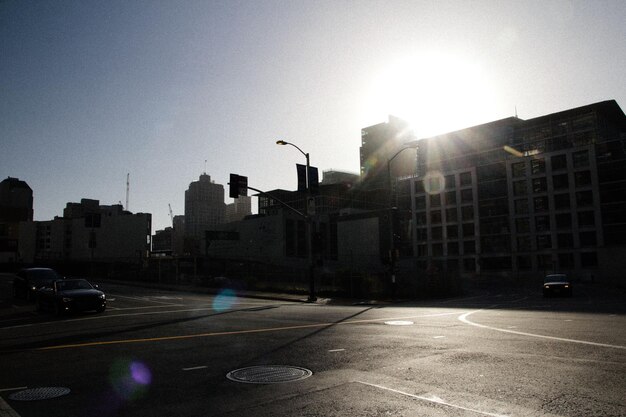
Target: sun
436,93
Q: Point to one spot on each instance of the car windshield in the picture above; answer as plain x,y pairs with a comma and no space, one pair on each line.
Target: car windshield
78,284
555,278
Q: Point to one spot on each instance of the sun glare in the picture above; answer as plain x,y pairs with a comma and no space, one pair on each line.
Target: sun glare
435,93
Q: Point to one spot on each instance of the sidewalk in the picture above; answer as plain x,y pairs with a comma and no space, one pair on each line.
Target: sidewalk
264,295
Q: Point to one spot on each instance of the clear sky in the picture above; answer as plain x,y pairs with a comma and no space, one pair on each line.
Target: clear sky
93,90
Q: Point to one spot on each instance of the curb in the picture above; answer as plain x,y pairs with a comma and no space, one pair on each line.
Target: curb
6,410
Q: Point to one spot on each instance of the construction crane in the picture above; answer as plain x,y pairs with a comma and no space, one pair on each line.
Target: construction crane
171,214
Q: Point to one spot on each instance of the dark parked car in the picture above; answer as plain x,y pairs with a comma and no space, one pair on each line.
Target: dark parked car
71,295
29,280
557,284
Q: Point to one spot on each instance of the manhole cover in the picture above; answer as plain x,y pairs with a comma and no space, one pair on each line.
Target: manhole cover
272,374
399,323
35,394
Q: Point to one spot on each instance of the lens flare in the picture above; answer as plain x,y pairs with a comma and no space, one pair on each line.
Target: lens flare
130,379
224,300
434,182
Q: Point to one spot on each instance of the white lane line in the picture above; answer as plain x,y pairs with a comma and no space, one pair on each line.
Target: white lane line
147,299
433,400
13,389
438,337
336,350
464,319
195,368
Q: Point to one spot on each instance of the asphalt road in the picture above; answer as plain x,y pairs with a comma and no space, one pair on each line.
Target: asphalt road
161,353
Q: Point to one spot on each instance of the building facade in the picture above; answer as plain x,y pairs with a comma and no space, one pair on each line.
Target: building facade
87,232
204,209
523,198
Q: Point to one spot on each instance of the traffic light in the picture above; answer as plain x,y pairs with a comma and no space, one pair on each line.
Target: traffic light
238,185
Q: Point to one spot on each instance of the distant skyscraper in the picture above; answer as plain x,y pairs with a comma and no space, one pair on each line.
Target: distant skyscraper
240,208
16,205
204,207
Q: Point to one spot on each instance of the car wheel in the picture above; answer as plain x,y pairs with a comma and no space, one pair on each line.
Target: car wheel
39,306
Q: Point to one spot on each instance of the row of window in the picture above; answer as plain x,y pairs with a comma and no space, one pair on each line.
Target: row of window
557,162
562,262
559,182
560,202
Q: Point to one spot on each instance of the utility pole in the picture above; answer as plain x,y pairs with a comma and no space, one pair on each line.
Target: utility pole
127,189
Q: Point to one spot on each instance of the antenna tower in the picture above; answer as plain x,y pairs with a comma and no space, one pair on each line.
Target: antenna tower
127,189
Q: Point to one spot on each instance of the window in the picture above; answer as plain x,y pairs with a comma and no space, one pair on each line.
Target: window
453,248
560,182
420,218
559,162
519,188
580,159
468,229
465,178
422,250
469,247
542,223
544,261
518,169
450,182
495,207
584,198
563,221
561,201
588,239
467,213
541,204
544,242
450,197
539,185
586,218
538,166
521,206
437,249
522,225
435,200
466,196
436,233
420,203
452,232
435,217
451,215
421,234
565,240
419,186
582,178
524,244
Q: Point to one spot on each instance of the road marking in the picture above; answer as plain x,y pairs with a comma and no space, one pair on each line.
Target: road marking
438,337
336,350
434,400
233,332
464,319
195,368
146,299
13,389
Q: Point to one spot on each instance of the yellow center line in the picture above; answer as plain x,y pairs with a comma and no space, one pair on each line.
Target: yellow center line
230,333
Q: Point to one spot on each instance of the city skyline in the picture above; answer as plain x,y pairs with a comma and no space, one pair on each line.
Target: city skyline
95,91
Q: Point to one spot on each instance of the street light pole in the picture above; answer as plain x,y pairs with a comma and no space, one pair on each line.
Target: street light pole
309,222
392,249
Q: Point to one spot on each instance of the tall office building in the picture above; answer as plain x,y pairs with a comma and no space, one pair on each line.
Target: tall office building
204,208
525,197
16,205
379,143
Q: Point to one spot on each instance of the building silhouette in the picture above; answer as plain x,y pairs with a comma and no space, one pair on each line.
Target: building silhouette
16,206
521,198
204,209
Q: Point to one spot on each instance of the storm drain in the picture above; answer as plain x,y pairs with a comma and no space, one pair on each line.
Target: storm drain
36,394
399,323
269,374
